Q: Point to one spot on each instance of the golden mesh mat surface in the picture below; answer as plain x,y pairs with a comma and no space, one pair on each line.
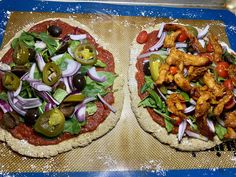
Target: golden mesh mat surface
127,146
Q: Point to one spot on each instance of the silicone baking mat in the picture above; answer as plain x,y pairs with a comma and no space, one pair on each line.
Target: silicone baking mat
127,150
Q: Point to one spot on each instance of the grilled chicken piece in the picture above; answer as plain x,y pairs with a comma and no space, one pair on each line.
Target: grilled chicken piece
176,105
171,38
218,90
231,134
230,120
177,56
217,55
193,40
202,105
182,82
194,73
196,92
220,107
164,69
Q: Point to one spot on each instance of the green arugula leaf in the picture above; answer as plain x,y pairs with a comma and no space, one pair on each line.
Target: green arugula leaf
14,43
59,95
220,131
41,108
92,88
72,126
149,84
84,69
148,102
37,74
186,96
169,126
156,98
73,45
3,96
91,108
100,64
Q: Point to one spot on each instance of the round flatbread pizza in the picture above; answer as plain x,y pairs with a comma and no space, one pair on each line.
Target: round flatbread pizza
60,88
182,84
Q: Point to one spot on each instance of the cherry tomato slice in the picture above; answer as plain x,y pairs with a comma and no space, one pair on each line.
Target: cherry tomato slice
142,37
229,84
222,69
230,104
209,48
173,70
175,119
151,41
182,37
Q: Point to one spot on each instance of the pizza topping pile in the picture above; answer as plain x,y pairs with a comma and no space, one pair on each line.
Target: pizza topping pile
189,80
54,83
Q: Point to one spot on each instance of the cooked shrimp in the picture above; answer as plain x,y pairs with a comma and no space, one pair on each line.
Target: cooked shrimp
176,105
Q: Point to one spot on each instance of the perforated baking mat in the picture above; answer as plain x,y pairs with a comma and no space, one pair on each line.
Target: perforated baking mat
127,150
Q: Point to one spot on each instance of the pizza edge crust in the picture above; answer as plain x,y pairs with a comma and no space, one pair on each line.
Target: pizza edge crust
24,148
145,120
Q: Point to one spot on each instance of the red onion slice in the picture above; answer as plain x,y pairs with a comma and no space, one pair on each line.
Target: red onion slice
196,135
40,62
78,37
40,45
189,109
162,95
190,122
72,68
80,113
65,80
13,106
210,124
160,52
182,128
27,100
159,43
220,121
161,30
180,45
70,81
192,101
203,32
35,105
70,52
31,72
25,76
57,57
17,92
5,106
92,73
202,42
108,105
47,97
4,67
48,106
40,86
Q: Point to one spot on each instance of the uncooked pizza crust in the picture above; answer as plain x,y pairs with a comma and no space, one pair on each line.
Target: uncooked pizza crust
24,148
146,121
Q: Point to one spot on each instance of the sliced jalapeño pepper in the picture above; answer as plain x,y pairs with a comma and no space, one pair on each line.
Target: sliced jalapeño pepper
85,54
21,54
10,81
51,73
50,123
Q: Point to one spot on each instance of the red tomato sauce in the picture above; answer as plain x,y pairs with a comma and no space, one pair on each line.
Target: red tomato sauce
24,132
